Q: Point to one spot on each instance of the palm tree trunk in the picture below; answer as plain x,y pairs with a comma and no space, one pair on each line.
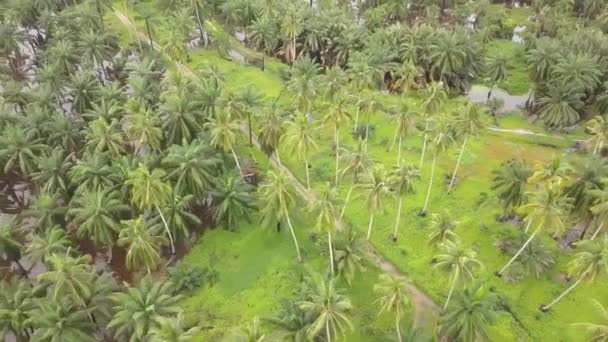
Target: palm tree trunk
447,301
518,253
399,152
200,24
356,119
331,253
327,321
367,132
250,130
546,307
162,217
337,154
369,228
293,235
236,160
397,327
428,191
458,163
149,31
307,174
398,218
597,231
528,226
423,150
490,93
350,191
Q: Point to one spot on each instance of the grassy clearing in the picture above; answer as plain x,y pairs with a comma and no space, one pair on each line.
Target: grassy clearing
517,80
257,268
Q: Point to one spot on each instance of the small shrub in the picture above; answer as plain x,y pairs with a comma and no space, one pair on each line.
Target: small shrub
187,278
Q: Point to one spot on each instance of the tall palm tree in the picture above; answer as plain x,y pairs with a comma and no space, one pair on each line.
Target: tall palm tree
299,136
232,200
324,207
394,297
142,244
442,228
357,164
303,83
401,179
337,115
496,70
510,182
590,260
192,166
554,174
93,171
225,131
546,209
435,96
180,118
461,262
375,189
271,129
53,241
45,211
70,278
16,301
52,176
441,140
149,190
104,136
173,329
598,127
405,124
179,216
144,129
469,315
60,320
150,301
10,246
290,28
328,305
18,151
96,214
251,100
470,124
278,197
598,331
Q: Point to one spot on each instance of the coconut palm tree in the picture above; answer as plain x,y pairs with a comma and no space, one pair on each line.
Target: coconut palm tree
69,278
299,136
16,301
179,216
149,190
470,124
324,207
394,297
180,118
142,244
150,301
94,48
225,131
333,81
510,182
435,96
303,83
103,136
442,229
462,263
271,129
18,151
60,321
328,306
337,115
590,261
559,107
278,198
375,190
496,70
143,127
96,214
405,125
251,100
251,332
598,331
93,171
469,315
555,174
173,329
290,29
357,164
441,139
599,209
232,200
546,210
45,211
53,170
42,246
598,127
401,179
83,86
10,246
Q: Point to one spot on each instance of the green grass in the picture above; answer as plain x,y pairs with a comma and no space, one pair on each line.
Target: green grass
517,82
257,268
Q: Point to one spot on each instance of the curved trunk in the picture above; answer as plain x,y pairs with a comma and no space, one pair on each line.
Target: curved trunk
398,218
428,191
424,144
327,321
200,24
236,160
369,228
331,253
250,131
546,307
399,152
337,154
293,235
356,119
307,174
528,226
458,163
518,253
350,191
447,301
597,231
397,327
166,229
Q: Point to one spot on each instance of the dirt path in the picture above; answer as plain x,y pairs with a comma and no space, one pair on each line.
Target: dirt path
425,309
523,131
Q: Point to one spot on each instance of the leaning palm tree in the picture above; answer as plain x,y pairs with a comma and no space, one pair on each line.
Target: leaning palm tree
441,139
271,129
61,320
357,164
470,124
149,190
442,228
435,96
401,179
278,197
599,209
173,330
299,136
546,210
461,262
598,127
394,297
324,207
510,182
70,277
232,200
225,131
405,124
337,115
590,261
468,316
496,70
375,189
598,331
328,306
142,244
